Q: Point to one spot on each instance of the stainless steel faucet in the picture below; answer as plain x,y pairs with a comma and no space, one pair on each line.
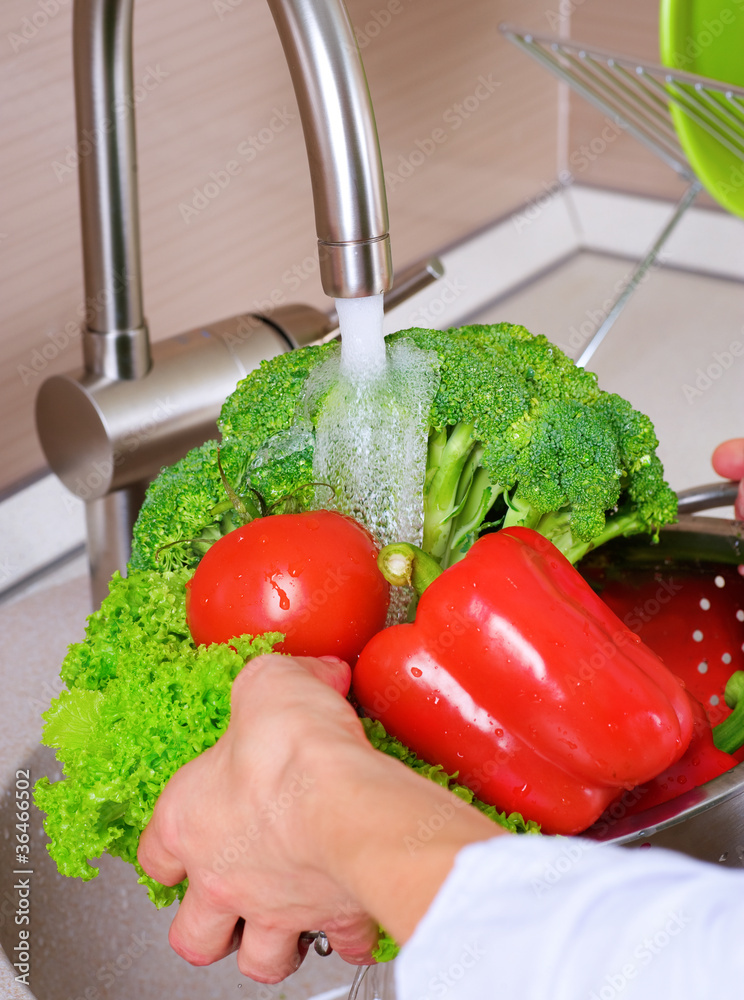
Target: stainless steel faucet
108,429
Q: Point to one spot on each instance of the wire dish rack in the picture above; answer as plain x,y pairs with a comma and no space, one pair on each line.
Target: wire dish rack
638,96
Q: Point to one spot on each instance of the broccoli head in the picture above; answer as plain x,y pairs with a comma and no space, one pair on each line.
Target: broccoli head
518,434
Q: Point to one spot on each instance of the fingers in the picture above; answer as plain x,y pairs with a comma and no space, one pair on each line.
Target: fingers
728,459
202,931
331,670
334,672
356,942
154,857
269,955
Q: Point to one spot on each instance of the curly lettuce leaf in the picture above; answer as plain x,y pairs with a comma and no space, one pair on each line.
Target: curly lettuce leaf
142,700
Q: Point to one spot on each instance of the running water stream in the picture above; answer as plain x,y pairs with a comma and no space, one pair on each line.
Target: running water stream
372,430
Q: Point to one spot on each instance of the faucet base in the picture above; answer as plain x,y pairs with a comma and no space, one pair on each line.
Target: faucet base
110,521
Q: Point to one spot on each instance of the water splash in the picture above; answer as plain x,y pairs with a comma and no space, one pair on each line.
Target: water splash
366,418
371,410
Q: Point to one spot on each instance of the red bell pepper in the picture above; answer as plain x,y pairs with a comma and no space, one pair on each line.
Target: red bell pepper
701,762
516,675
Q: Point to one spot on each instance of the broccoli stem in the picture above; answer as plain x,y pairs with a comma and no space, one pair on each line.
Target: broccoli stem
520,513
447,458
481,496
729,734
624,522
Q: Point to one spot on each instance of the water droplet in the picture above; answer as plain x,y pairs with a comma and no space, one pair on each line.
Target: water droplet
697,635
726,658
714,699
719,581
724,857
416,671
740,615
702,667
704,603
284,602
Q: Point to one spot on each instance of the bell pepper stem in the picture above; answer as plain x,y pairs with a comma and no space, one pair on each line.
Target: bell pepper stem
403,564
729,734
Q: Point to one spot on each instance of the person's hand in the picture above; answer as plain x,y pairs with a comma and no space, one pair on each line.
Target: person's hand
292,822
728,461
234,820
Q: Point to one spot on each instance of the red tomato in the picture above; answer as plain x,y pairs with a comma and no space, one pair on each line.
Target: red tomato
312,576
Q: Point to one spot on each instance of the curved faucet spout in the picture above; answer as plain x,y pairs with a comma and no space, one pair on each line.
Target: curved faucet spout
343,153
343,150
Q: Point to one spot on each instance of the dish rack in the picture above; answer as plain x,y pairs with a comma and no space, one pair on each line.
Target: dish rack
637,96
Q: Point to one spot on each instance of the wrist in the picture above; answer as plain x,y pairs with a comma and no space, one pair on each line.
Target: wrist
391,836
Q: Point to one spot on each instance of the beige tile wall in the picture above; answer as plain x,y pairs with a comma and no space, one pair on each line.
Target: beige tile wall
211,75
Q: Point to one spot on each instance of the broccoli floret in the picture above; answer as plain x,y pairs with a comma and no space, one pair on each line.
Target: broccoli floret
186,508
521,436
264,426
518,435
178,505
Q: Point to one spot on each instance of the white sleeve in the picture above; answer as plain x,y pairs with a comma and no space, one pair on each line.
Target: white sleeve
559,918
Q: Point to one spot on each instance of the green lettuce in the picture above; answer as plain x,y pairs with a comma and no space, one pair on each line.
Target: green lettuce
142,700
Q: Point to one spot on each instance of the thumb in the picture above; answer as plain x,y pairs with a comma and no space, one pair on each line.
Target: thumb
331,670
728,459
334,672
